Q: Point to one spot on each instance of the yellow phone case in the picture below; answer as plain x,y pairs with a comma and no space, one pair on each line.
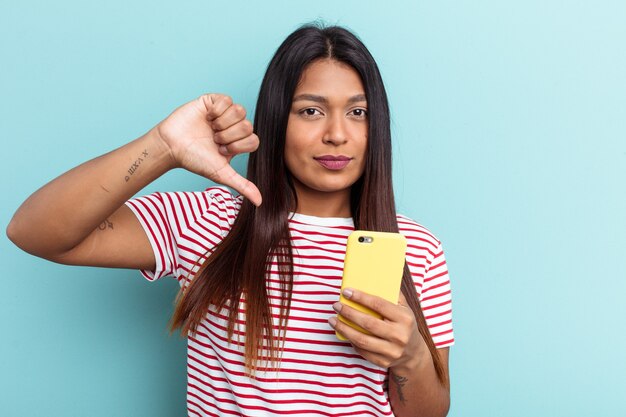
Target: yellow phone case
374,264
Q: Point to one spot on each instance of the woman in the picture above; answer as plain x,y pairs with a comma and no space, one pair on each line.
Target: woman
260,276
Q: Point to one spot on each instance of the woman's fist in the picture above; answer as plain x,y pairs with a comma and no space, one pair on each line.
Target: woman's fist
204,135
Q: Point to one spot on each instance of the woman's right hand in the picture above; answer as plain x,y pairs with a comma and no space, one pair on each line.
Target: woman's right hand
203,136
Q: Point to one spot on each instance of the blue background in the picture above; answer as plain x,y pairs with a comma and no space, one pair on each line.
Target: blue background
509,123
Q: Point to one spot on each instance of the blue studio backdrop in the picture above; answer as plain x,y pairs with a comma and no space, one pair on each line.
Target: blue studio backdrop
509,124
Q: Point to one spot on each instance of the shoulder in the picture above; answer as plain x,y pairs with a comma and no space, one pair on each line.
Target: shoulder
194,203
205,216
223,197
220,202
417,235
215,205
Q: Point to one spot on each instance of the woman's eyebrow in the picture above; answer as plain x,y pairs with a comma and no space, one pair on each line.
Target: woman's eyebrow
321,99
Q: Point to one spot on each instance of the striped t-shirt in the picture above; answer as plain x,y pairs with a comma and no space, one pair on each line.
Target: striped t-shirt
319,375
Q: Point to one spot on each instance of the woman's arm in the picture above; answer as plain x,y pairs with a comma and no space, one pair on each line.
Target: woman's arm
80,217
395,343
415,390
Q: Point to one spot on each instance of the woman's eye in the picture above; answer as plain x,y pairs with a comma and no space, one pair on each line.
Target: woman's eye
359,112
310,112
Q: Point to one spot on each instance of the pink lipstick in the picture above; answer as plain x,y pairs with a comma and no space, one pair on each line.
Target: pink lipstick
333,162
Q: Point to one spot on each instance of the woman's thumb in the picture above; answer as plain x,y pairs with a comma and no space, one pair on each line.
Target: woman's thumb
231,178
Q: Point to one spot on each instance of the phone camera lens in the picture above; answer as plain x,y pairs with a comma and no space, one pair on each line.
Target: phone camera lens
361,239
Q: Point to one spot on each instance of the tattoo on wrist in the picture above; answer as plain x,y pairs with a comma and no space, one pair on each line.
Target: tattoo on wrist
399,382
105,224
133,168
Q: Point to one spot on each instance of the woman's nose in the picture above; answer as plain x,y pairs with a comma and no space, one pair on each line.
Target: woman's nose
336,131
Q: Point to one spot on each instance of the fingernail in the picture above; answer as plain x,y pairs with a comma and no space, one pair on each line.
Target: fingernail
332,321
337,307
347,293
223,150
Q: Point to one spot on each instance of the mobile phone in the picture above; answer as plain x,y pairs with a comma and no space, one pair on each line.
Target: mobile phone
374,264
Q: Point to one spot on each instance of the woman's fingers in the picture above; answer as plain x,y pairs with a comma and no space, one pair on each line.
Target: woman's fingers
205,133
234,135
385,328
215,105
228,117
238,131
390,338
233,131
383,307
367,322
356,337
376,358
245,145
377,350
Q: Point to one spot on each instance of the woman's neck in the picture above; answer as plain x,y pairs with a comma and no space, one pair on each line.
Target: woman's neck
323,204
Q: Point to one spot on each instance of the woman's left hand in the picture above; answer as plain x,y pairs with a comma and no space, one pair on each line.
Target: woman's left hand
394,341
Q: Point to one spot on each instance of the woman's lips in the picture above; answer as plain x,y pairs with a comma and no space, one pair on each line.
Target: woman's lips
333,162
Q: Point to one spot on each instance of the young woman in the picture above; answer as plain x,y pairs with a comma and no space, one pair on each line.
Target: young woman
260,273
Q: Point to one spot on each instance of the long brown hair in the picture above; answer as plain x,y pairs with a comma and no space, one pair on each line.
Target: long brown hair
236,270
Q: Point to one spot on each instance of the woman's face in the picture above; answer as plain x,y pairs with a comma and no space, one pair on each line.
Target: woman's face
326,140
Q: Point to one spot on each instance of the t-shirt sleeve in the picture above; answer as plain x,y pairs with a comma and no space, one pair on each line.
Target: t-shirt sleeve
436,298
183,228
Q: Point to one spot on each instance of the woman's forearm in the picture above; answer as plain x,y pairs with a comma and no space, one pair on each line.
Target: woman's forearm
415,390
63,212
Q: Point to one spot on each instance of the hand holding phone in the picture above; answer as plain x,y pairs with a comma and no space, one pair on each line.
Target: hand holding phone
374,264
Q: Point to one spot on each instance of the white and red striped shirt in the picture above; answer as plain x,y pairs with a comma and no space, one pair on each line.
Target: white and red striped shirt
319,374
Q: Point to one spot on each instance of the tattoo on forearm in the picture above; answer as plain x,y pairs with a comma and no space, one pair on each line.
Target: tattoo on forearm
133,168
105,224
399,382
